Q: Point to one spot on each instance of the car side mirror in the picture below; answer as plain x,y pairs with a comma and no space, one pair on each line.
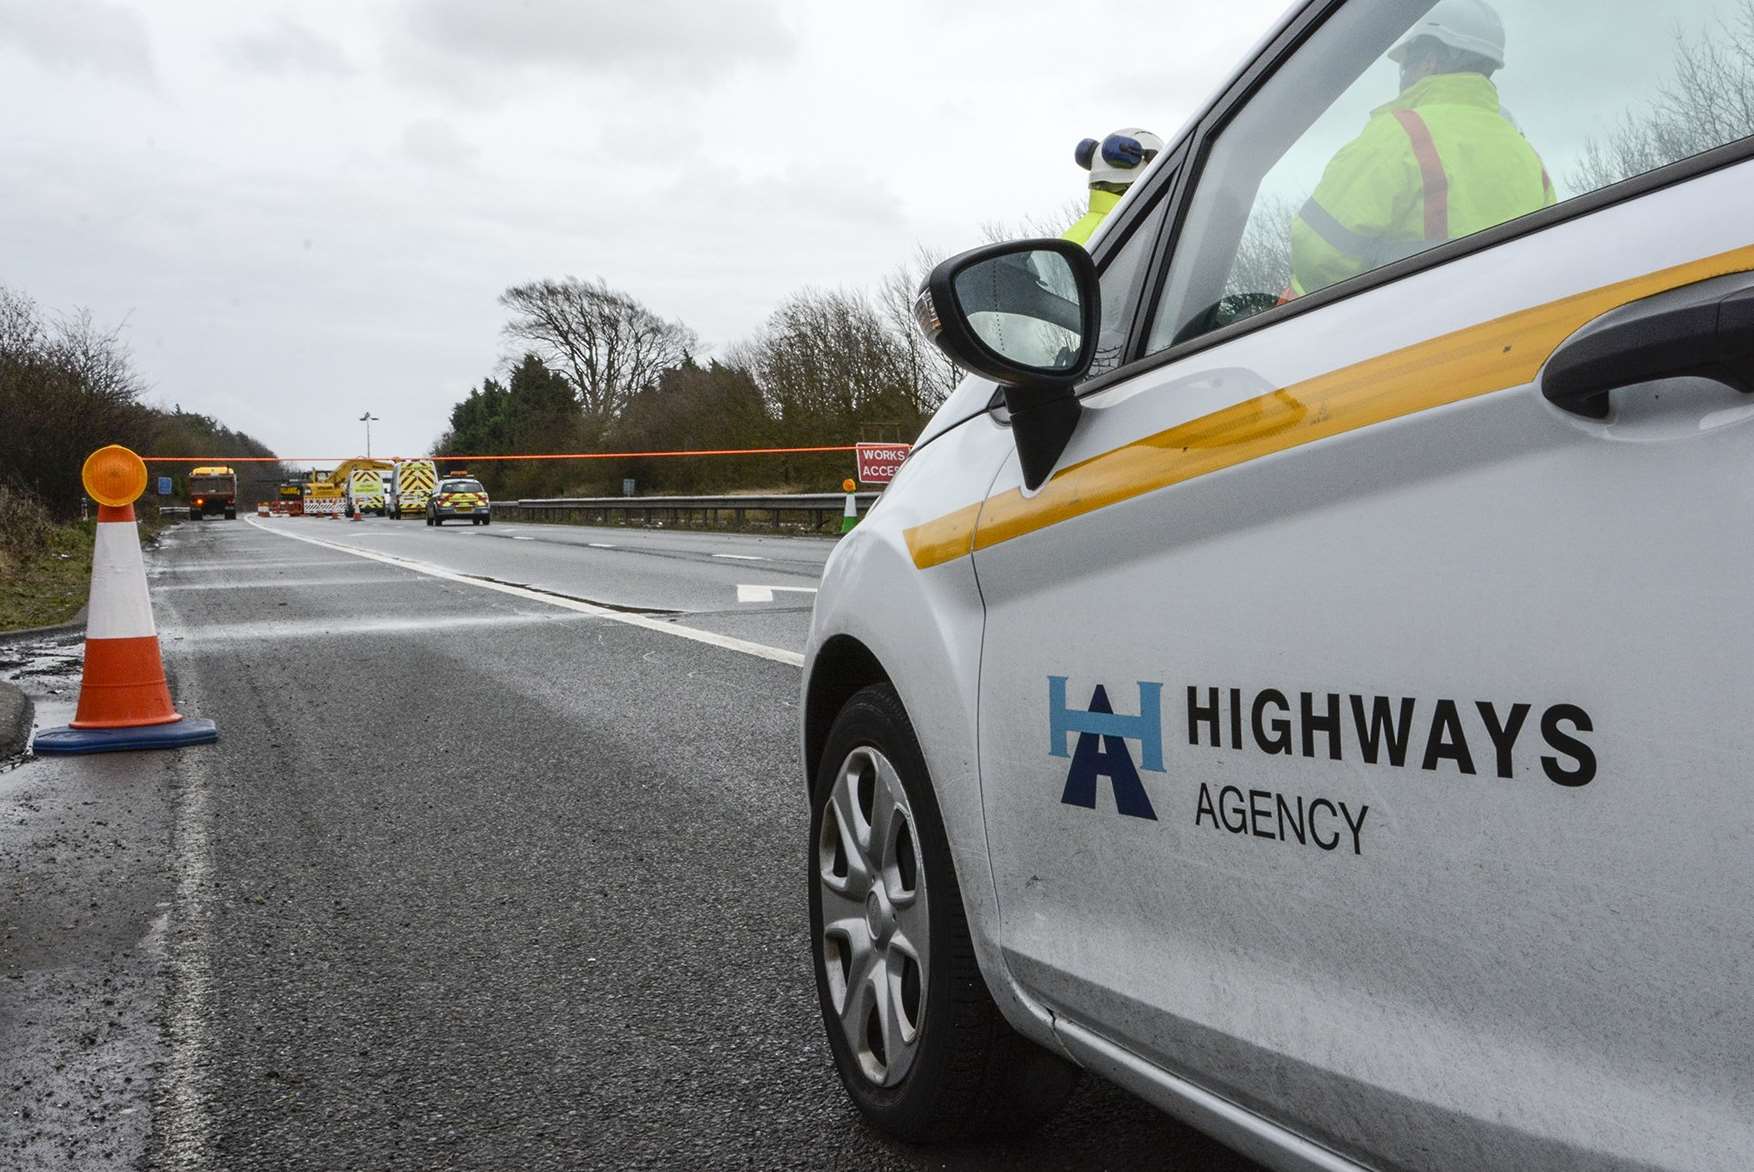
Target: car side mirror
1026,315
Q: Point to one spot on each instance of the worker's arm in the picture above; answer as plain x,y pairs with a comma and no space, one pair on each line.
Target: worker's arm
1346,228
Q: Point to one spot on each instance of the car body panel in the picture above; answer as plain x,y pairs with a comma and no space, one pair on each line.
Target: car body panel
924,629
1407,998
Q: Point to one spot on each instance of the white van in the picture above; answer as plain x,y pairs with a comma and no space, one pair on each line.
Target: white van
365,492
1317,699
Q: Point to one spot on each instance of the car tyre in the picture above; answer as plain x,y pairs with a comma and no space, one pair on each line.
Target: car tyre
964,1073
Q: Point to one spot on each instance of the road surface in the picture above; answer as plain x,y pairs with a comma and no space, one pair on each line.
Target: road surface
499,863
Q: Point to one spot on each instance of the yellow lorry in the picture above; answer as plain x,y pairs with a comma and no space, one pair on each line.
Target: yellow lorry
212,489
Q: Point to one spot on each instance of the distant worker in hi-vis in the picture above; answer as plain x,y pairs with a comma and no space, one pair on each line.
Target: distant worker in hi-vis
1114,163
1441,161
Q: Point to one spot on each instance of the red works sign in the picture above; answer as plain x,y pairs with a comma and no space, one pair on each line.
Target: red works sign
878,463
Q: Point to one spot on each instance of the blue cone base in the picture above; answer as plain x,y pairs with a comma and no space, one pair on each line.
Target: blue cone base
119,740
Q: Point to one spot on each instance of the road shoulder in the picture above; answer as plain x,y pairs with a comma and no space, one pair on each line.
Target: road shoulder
84,899
16,710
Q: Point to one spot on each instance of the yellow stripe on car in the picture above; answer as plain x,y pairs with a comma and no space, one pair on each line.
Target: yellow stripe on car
1492,356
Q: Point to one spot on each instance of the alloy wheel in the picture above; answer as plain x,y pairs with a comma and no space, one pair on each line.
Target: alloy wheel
874,934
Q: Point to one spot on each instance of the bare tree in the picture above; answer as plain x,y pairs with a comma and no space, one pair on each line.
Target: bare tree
930,373
608,345
66,386
1708,102
831,369
97,359
21,325
1034,227
1263,255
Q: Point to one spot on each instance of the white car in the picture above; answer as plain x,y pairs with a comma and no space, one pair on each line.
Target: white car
1322,707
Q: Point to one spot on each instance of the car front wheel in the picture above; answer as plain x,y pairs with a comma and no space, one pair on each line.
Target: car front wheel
917,1040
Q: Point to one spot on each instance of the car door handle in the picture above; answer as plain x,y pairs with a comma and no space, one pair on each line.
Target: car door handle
1704,330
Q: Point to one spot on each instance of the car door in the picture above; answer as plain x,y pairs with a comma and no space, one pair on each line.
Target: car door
1362,731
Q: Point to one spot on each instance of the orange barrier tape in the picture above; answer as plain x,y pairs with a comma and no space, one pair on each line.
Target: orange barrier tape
482,459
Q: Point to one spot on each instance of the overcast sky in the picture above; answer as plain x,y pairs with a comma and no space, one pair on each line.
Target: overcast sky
306,210
302,211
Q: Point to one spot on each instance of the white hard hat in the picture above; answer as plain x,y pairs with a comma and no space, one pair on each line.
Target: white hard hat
1472,26
1093,156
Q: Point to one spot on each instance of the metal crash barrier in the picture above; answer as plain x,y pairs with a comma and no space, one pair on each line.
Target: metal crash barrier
812,511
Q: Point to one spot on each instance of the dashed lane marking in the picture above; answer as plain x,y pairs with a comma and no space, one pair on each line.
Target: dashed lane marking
711,638
766,593
739,557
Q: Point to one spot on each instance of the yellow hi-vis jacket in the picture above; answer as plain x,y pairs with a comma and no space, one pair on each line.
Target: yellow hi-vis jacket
1439,162
1101,204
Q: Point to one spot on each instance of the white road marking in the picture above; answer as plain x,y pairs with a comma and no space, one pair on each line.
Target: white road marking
766,593
160,567
521,537
281,630
187,1128
599,545
739,557
285,583
646,622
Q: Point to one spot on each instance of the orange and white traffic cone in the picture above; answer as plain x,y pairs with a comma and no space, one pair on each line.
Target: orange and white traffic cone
124,701
850,515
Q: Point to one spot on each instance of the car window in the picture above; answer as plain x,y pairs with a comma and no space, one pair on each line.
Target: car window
1122,277
461,486
1380,138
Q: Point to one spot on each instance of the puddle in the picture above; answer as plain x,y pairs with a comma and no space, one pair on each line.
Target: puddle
44,666
48,670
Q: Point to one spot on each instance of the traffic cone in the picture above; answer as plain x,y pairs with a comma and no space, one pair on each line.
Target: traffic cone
124,701
850,516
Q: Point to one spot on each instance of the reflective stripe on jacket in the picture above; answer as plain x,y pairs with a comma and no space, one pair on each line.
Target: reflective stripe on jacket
1101,204
1439,162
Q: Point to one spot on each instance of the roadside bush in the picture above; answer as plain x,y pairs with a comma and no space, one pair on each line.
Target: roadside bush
25,525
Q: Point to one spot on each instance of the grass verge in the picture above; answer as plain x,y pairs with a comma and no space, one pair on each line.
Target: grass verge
48,584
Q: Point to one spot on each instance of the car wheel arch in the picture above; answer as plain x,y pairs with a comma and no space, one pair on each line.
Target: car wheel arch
842,667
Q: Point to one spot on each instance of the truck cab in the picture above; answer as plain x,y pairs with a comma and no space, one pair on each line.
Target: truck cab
213,491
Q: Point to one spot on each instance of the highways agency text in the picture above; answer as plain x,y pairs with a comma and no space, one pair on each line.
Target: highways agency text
1391,732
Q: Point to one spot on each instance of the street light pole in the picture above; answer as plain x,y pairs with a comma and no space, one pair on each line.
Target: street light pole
368,419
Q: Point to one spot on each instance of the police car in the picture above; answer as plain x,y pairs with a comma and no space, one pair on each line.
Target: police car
1316,698
459,499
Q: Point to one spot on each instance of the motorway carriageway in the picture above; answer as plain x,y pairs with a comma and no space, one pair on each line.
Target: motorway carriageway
755,589
478,875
